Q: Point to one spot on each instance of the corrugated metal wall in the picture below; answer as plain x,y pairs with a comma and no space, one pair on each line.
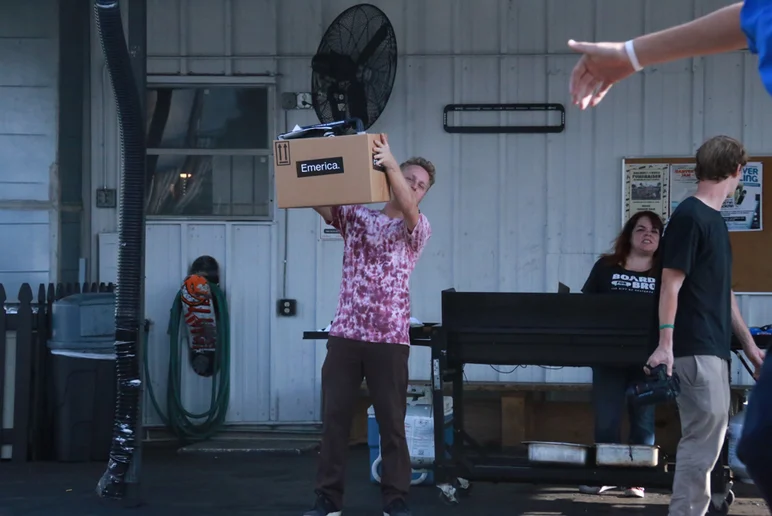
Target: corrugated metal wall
28,139
513,213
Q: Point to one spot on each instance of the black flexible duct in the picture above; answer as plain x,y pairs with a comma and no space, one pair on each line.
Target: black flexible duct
127,426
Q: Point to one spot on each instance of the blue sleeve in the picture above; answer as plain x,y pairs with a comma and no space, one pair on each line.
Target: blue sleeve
748,20
756,23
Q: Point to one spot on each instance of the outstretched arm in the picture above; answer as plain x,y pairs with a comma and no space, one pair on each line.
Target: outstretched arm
713,33
604,64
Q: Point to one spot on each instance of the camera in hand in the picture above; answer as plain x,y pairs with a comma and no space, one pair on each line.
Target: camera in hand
657,388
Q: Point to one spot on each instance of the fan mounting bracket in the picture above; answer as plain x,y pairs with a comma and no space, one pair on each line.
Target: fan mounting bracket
296,100
304,100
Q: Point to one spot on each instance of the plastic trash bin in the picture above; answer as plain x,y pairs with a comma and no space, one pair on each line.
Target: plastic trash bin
82,381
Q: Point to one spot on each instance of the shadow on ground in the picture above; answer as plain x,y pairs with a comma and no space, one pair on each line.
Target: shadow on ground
238,484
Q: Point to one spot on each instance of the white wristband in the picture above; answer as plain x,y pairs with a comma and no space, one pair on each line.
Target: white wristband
631,55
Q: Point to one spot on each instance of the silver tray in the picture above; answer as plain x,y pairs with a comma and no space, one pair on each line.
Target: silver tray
557,453
627,455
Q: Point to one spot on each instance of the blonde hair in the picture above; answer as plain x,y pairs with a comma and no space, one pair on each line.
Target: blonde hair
424,164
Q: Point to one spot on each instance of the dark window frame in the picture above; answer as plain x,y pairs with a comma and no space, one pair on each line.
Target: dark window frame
256,153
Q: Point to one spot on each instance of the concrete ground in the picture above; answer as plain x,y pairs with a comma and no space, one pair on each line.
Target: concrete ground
240,484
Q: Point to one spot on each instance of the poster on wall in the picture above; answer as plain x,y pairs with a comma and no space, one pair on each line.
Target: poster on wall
741,210
646,188
683,184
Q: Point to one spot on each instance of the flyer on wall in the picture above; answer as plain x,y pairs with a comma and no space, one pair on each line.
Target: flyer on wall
741,211
683,184
646,188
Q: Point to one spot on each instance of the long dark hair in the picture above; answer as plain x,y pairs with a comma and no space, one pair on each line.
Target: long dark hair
623,243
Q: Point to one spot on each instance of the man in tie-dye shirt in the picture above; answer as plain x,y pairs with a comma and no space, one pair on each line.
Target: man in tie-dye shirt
370,335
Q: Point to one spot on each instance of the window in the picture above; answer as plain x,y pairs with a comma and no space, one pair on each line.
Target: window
208,151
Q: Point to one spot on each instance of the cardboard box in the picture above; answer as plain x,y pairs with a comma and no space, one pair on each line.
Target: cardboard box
337,170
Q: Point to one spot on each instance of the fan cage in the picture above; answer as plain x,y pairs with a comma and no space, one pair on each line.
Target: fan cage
344,42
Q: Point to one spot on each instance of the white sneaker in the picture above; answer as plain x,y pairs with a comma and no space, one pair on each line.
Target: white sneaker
595,490
634,492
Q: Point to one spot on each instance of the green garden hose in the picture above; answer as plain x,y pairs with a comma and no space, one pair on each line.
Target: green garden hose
178,420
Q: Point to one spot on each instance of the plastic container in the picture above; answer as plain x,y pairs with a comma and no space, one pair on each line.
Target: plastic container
82,376
83,393
566,454
83,322
419,430
626,455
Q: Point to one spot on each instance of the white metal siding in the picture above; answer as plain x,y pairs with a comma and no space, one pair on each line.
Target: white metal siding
237,247
28,129
509,212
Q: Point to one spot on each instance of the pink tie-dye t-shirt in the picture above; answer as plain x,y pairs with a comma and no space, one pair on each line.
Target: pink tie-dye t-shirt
378,258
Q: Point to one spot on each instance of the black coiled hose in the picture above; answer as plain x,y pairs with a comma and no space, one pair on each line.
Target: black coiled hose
131,229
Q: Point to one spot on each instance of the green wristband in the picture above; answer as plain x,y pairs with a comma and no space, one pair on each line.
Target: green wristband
663,326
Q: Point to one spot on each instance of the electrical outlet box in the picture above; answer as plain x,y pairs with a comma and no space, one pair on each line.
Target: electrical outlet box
289,100
287,307
106,198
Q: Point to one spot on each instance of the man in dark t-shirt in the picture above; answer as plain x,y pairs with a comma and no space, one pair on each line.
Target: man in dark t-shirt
696,244
697,314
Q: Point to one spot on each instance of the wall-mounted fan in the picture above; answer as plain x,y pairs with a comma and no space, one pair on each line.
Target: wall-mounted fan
355,66
353,73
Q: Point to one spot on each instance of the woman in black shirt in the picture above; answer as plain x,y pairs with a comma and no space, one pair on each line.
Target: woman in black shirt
628,268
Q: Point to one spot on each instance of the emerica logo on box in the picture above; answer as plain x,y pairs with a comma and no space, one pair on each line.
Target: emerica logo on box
320,167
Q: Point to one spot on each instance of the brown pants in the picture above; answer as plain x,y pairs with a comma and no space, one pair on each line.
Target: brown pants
386,370
704,409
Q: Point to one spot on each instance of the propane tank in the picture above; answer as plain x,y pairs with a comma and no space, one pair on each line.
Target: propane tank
735,431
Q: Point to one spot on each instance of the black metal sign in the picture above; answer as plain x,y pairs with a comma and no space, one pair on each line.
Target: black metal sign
508,129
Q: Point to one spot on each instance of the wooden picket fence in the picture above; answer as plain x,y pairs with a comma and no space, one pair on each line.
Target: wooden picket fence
31,434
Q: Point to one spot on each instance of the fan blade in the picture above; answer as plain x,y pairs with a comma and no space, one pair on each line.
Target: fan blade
373,44
357,102
336,66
